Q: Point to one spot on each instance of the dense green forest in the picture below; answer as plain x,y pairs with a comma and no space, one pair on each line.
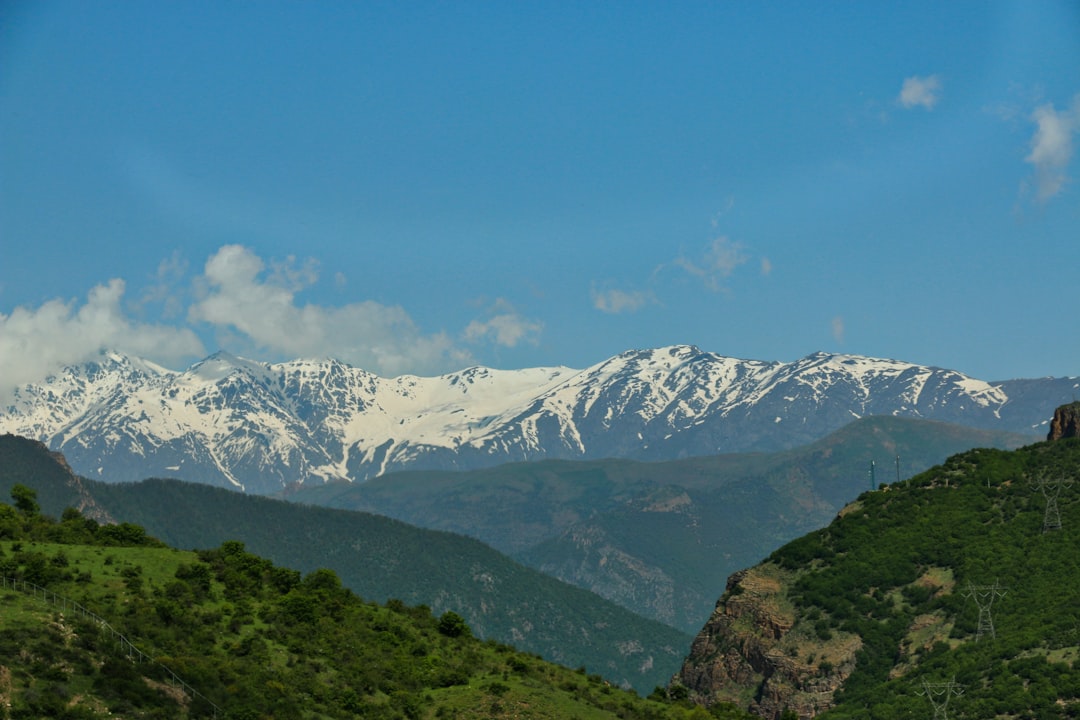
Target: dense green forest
248,639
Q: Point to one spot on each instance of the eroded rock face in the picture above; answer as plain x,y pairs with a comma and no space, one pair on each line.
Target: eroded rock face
754,652
1066,422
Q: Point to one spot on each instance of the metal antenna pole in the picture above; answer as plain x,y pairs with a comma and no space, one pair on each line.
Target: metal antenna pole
873,484
939,694
984,596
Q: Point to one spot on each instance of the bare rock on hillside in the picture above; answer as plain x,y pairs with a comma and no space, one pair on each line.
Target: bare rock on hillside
1066,422
755,652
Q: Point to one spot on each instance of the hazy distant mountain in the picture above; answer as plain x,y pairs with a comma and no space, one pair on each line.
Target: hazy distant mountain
257,426
659,538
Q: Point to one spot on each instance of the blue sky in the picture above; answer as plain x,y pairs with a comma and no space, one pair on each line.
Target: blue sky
417,187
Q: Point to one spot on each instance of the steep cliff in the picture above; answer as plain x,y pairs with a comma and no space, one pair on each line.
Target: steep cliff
1066,422
756,651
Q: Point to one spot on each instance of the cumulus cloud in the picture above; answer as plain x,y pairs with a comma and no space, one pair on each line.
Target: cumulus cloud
614,301
241,296
504,327
1052,147
716,263
924,91
35,342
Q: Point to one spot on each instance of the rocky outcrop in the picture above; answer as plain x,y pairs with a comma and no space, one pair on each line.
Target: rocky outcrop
757,653
1066,422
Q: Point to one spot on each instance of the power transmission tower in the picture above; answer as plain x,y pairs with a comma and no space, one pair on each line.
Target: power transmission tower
984,596
1051,489
939,694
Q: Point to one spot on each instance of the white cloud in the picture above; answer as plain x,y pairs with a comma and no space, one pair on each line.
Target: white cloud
838,329
35,342
716,263
924,91
1052,147
238,296
615,301
504,327
766,266
253,308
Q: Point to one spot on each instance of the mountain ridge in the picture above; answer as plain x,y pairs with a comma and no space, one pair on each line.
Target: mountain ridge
262,426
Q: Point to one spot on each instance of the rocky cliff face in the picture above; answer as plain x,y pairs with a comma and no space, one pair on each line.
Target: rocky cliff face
757,653
1066,422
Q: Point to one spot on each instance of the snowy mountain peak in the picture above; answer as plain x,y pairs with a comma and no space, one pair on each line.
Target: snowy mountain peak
238,422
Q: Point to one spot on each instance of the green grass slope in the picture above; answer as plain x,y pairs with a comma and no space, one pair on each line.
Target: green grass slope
884,604
379,559
102,621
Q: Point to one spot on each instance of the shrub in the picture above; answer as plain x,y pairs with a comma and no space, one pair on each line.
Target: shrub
453,625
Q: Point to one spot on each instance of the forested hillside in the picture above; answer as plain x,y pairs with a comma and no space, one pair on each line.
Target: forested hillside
959,588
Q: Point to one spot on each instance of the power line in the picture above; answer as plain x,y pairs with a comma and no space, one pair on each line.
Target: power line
127,648
984,596
1051,489
939,695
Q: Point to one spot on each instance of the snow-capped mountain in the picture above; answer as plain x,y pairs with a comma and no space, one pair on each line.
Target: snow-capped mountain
259,426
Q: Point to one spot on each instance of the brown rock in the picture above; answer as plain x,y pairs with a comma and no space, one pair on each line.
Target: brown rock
1066,422
752,652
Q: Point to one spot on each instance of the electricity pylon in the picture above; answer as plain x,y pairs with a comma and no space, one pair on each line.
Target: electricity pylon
1050,490
984,596
939,694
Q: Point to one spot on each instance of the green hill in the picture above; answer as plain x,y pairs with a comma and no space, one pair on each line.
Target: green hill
378,558
660,538
952,587
104,621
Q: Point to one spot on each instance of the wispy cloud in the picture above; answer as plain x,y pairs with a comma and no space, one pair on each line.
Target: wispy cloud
716,263
503,326
1052,147
615,301
248,304
838,329
35,342
165,287
920,91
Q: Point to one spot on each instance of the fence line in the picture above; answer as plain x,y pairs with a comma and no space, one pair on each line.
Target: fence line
132,653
